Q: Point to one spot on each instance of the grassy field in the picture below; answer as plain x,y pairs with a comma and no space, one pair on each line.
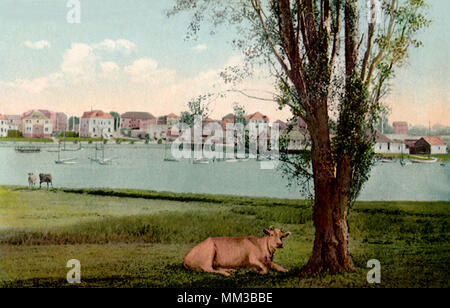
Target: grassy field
126,238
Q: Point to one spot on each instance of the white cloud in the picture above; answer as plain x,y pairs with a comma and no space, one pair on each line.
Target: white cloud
37,45
79,62
120,45
200,47
146,70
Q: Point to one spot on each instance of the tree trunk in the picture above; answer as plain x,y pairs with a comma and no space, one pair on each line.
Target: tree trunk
330,252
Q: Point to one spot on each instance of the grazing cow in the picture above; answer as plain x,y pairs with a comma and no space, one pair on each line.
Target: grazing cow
223,255
45,178
31,180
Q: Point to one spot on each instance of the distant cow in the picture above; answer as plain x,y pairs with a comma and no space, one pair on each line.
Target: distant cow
31,180
45,178
223,255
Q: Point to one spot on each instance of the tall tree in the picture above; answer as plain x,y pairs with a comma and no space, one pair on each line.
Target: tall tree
332,77
197,108
117,118
72,122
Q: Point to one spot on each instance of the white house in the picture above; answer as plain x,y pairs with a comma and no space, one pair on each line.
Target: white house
384,145
96,124
4,126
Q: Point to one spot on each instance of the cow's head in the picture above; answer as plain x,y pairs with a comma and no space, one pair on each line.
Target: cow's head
276,237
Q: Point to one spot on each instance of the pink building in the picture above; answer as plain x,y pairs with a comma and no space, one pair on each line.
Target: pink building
59,119
137,120
400,128
36,124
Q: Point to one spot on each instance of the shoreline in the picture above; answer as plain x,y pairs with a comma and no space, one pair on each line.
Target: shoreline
204,198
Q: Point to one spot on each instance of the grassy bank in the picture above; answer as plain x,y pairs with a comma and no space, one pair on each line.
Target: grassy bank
130,238
415,156
21,139
80,139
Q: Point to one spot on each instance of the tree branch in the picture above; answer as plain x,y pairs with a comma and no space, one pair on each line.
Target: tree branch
336,32
379,56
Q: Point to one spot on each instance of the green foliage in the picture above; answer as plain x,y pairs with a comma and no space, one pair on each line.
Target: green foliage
197,108
73,121
14,133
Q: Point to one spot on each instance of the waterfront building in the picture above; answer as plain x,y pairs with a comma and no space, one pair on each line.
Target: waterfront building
137,120
430,145
36,124
4,127
96,124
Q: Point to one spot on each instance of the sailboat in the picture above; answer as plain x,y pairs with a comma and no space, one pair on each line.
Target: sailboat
67,161
101,160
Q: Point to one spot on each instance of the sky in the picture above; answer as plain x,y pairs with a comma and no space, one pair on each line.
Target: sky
127,55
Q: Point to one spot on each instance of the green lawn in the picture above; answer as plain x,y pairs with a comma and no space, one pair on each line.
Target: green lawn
138,239
21,139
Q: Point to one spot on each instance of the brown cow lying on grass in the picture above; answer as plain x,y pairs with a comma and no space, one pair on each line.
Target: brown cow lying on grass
223,255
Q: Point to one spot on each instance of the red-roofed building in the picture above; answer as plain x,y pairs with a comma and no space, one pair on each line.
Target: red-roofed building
137,120
430,145
257,118
96,123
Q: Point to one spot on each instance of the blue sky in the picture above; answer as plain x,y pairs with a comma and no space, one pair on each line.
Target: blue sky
128,55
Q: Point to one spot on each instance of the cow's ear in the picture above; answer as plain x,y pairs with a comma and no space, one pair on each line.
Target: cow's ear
286,234
266,231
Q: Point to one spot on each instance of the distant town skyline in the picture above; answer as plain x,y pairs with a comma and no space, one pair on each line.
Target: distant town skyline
132,57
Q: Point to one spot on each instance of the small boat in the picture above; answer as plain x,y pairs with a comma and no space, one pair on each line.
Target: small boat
28,149
105,161
243,159
67,161
200,161
424,161
231,160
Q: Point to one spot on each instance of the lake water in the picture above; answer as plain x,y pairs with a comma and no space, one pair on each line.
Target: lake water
142,167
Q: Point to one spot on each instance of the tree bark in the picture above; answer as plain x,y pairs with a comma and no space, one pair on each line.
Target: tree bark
330,251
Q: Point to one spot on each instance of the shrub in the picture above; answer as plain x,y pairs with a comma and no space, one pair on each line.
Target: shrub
14,133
